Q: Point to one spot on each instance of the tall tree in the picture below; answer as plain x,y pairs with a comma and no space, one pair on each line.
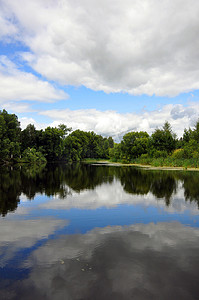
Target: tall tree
134,144
9,136
29,137
164,139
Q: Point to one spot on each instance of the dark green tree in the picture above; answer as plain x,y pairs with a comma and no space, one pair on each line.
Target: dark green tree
29,137
9,136
134,144
163,139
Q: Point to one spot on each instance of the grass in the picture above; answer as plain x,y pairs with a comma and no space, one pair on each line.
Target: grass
153,162
93,160
168,162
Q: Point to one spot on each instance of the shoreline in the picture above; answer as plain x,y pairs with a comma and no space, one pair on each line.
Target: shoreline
148,167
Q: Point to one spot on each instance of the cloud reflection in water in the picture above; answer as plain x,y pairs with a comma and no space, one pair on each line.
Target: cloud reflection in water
153,261
111,195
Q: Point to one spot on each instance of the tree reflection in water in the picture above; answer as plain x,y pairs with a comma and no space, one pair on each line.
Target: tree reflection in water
61,179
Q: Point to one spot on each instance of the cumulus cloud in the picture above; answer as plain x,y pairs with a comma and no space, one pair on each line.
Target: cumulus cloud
9,29
21,107
139,261
18,85
140,47
24,121
112,123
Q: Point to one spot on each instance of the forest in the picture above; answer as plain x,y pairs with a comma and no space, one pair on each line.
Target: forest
161,148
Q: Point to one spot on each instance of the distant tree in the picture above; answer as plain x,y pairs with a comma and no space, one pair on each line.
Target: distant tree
164,139
33,156
190,141
134,144
92,151
64,130
187,135
76,145
115,152
51,142
9,136
29,137
110,142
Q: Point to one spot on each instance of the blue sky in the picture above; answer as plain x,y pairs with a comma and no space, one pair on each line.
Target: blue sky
107,66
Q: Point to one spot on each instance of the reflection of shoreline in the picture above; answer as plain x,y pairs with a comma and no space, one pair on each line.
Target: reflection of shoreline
112,195
60,181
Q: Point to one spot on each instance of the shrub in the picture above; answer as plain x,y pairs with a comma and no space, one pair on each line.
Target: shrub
160,153
33,156
178,154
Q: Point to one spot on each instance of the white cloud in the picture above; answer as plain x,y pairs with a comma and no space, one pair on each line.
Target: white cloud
8,28
112,123
147,46
19,107
18,85
24,121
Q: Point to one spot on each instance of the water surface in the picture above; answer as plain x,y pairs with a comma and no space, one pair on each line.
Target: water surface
98,232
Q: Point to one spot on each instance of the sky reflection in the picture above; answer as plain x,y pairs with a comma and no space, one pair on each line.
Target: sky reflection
153,261
98,232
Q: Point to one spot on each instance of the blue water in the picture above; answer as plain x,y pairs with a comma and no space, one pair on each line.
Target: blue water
101,222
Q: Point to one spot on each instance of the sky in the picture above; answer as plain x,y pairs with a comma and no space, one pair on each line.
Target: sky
105,66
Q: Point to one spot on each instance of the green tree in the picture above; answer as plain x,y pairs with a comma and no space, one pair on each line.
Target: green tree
28,137
115,152
64,130
79,141
134,144
163,139
9,136
191,141
52,143
110,142
72,149
33,156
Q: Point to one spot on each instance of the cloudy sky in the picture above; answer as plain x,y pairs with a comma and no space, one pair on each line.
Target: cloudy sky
108,66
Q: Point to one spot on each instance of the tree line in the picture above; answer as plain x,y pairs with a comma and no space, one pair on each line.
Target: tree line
161,148
52,144
61,143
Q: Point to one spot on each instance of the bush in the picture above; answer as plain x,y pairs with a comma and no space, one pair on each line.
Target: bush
33,156
178,154
144,159
160,153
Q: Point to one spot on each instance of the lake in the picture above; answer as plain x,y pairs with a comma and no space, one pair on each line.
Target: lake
88,231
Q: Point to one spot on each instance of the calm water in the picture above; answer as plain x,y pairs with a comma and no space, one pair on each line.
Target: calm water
98,232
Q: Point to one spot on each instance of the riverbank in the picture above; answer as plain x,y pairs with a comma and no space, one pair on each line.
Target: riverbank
144,166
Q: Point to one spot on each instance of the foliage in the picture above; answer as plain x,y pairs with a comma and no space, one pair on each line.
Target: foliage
33,156
80,144
163,139
60,144
28,137
115,152
9,136
134,144
178,154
